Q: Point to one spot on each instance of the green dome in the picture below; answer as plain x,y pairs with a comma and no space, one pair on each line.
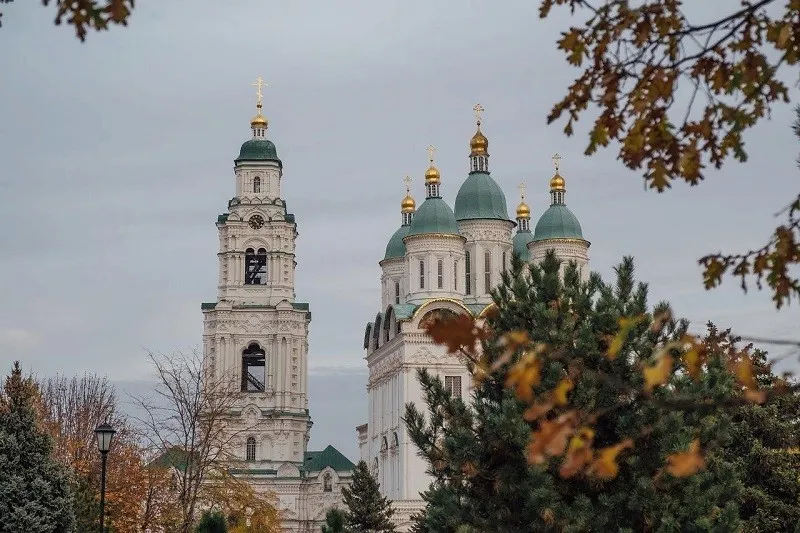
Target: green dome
479,198
258,150
521,240
396,247
557,222
434,216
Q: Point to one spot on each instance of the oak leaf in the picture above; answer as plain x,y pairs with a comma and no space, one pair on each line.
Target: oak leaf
605,464
684,464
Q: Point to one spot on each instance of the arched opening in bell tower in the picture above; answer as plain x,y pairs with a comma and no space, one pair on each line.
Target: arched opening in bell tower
254,368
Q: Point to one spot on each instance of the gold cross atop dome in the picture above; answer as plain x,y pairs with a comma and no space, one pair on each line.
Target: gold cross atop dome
259,84
557,161
521,188
478,112
407,182
432,175
431,150
408,204
523,211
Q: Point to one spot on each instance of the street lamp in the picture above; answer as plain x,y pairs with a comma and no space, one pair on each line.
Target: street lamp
104,434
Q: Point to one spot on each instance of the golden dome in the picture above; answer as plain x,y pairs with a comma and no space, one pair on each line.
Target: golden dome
479,144
557,182
523,211
259,121
408,204
432,174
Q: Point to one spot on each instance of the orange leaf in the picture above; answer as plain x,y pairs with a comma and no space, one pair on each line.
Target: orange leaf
537,411
659,373
455,332
605,465
524,376
625,326
579,453
551,438
684,464
561,391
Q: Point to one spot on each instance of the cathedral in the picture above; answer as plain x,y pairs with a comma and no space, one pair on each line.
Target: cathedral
255,340
443,260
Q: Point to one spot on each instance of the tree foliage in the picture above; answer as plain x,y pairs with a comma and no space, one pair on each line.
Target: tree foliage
212,522
679,96
367,510
35,494
246,509
334,521
86,15
585,401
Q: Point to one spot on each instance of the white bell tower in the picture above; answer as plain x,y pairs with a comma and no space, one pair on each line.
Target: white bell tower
255,334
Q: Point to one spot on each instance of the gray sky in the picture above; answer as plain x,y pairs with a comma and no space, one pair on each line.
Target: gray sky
117,156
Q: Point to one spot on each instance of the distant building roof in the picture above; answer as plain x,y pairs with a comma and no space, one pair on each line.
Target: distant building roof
329,457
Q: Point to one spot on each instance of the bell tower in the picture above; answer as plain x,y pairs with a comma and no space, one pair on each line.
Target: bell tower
255,334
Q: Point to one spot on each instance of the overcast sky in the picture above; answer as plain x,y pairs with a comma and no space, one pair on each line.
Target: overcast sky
117,156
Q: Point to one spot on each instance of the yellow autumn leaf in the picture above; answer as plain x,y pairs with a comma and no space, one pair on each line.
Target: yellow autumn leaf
605,464
684,464
625,326
659,373
561,391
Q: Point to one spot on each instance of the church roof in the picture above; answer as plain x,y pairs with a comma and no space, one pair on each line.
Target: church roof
480,198
329,457
521,240
557,222
258,150
434,216
396,247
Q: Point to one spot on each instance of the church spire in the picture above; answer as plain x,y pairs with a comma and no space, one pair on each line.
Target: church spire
408,205
523,211
478,146
557,184
432,176
259,123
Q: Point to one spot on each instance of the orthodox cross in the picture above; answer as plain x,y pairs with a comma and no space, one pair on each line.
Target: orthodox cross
407,181
478,110
521,188
556,162
259,84
431,151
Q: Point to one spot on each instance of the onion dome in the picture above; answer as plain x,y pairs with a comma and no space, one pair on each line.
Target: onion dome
434,215
259,148
558,222
408,204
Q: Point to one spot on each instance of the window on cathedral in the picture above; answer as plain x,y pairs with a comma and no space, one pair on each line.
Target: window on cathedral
487,273
254,369
384,444
421,274
452,384
256,184
251,449
467,274
455,275
255,267
327,482
505,267
440,274
397,292
396,440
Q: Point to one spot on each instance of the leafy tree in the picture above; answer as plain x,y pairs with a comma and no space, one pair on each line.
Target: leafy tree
334,521
583,419
35,495
85,15
634,57
367,510
212,522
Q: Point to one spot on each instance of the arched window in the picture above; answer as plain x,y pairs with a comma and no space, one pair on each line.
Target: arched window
397,292
375,467
467,274
384,444
255,267
440,274
396,440
256,184
327,482
254,369
455,275
487,274
251,449
421,274
505,267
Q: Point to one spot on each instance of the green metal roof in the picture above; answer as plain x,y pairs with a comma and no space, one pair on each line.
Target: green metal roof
521,240
330,456
174,457
258,150
480,198
557,222
402,311
396,247
433,216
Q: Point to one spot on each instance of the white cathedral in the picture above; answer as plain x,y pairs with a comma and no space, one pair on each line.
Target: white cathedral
443,260
439,260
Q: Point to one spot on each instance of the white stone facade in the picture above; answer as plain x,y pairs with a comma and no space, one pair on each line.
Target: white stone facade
255,341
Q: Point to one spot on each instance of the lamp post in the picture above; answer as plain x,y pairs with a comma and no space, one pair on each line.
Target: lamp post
104,434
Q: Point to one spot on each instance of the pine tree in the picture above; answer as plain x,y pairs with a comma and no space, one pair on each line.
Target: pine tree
334,521
35,495
367,511
478,451
212,522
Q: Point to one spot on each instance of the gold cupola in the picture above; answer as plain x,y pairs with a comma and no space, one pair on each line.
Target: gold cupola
408,206
557,183
479,144
259,121
432,175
